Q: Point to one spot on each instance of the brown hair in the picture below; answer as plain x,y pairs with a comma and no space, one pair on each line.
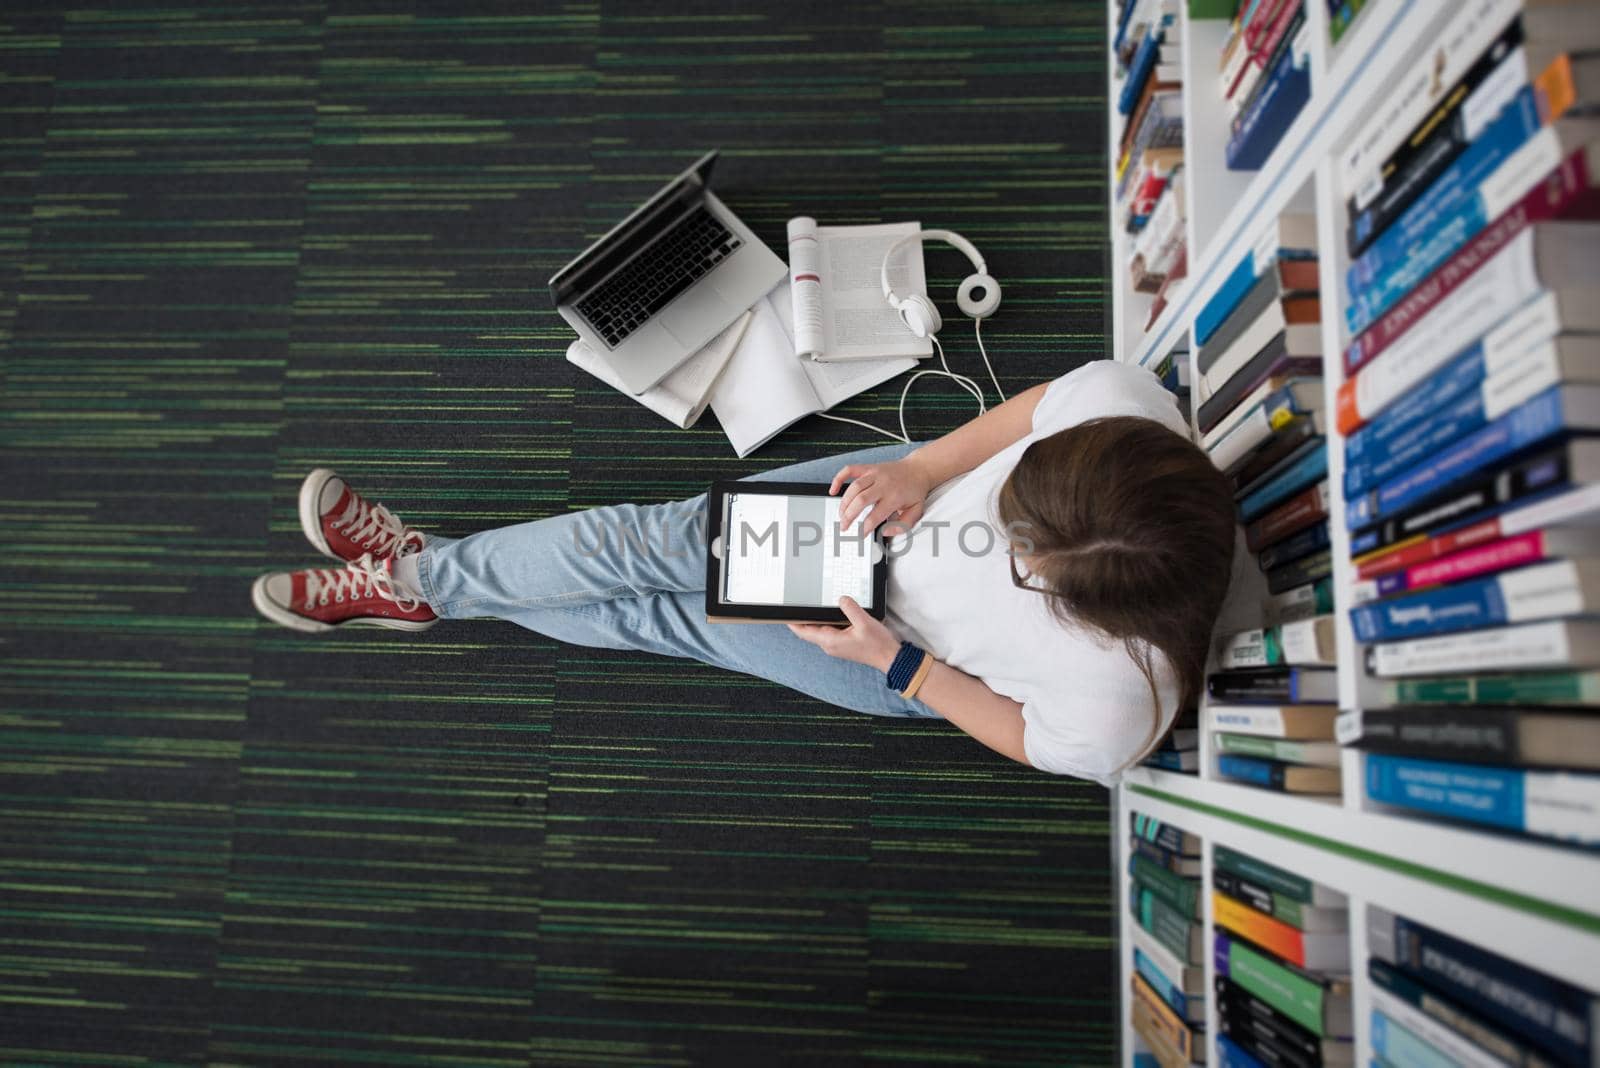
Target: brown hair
1132,532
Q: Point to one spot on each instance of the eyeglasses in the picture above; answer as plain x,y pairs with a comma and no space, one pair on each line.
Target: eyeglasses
1023,580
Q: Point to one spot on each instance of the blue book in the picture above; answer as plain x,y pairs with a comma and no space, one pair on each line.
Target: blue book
1236,285
1308,541
1557,410
1231,1055
1550,1013
1248,769
1551,804
1462,374
1274,108
1451,421
1144,61
1465,605
1449,231
1311,469
1161,984
1400,1045
1449,193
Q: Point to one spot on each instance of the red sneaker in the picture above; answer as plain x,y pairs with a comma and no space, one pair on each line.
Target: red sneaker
322,599
345,525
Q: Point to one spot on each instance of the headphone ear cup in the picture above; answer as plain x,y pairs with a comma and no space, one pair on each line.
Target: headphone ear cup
978,296
920,316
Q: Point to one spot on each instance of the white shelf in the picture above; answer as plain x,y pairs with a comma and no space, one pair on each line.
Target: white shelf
1556,948
1528,899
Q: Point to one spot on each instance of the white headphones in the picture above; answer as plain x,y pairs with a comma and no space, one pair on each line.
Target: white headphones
978,296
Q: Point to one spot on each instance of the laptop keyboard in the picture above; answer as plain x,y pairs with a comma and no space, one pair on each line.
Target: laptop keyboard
627,300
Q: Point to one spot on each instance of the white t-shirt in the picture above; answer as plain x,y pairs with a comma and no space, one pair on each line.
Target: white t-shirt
1085,704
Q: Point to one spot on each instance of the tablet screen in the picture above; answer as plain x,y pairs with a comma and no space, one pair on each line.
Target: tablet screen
788,550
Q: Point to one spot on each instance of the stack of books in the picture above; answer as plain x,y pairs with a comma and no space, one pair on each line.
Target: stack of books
1166,967
1282,966
1437,1000
1265,77
1471,401
1149,174
1180,750
1260,417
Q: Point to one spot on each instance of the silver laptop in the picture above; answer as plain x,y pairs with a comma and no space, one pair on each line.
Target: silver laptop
666,280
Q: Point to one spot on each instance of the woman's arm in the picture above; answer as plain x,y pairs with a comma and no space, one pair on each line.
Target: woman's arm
963,700
975,441
902,485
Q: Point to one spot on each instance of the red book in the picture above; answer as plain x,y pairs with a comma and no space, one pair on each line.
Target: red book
1290,517
1434,558
1568,192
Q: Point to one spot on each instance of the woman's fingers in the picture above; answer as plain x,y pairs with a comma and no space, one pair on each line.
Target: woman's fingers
862,492
904,521
846,473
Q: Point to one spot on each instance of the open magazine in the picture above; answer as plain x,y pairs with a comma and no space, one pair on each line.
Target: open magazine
837,289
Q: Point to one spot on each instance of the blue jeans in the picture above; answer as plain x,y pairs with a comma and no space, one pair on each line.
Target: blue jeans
633,576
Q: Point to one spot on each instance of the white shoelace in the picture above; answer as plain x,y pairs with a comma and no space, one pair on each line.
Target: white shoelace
360,578
376,529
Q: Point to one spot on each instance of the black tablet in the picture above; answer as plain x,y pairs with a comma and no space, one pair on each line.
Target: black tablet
775,554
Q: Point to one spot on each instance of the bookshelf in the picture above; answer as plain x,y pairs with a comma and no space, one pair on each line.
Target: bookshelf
1532,902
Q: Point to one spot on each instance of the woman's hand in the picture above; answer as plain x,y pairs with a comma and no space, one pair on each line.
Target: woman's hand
899,486
865,641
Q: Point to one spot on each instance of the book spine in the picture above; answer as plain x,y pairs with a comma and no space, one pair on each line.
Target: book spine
1144,61
1288,518
1175,1030
1460,232
1182,894
1471,31
1161,855
1481,603
1265,773
1308,541
1167,924
1310,469
1258,928
1487,86
1261,295
1270,363
1523,688
1266,720
1231,1055
1542,477
1303,602
1295,996
1469,735
1376,288
1161,984
1529,645
1453,195
1537,419
1292,886
1233,289
1552,1014
1399,421
1299,572
1162,834
1250,1019
1565,190
1398,986
1451,421
1262,127
1285,441
1394,1044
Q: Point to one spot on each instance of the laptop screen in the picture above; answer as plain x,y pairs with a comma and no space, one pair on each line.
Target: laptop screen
628,237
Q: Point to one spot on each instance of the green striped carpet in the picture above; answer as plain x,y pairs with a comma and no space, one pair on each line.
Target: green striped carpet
245,239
